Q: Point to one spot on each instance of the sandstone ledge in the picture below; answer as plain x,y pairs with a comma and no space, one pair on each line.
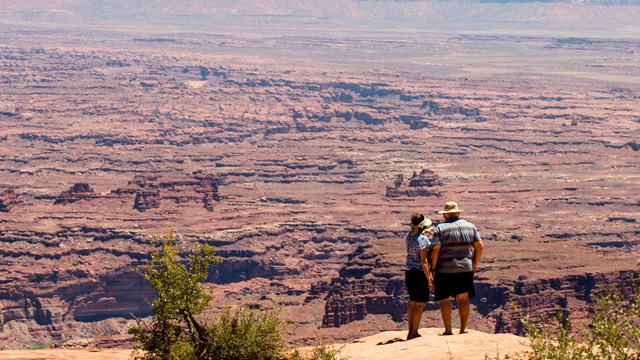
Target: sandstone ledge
431,346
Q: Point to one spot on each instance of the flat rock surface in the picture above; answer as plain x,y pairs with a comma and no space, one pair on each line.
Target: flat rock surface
59,354
382,346
433,346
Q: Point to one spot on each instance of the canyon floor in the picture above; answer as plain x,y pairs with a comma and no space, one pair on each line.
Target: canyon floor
301,159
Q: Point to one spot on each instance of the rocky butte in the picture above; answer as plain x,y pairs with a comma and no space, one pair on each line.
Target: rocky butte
8,199
300,158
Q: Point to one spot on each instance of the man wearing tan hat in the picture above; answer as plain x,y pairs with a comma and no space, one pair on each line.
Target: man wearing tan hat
457,248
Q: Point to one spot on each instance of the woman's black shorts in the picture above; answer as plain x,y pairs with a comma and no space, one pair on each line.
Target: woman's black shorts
417,285
453,284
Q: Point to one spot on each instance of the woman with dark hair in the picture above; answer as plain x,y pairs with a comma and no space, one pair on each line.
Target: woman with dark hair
417,276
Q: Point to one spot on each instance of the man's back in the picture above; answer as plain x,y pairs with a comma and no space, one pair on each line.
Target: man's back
455,238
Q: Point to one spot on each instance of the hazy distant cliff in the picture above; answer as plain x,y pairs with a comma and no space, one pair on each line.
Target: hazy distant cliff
408,13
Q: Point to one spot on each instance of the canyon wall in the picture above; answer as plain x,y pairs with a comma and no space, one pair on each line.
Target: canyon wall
300,159
367,285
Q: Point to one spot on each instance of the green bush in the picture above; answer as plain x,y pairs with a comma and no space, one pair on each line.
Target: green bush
174,331
245,334
321,351
614,332
177,330
556,342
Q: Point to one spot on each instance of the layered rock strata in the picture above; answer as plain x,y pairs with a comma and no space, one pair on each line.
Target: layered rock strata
79,191
424,183
301,153
367,285
8,200
150,190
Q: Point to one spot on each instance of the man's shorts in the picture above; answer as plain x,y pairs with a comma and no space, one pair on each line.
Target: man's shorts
417,285
453,284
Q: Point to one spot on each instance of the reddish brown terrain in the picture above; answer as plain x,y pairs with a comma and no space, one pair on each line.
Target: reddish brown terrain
300,158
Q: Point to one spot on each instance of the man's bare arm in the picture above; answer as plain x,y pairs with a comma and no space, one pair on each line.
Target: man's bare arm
477,254
424,261
425,267
435,250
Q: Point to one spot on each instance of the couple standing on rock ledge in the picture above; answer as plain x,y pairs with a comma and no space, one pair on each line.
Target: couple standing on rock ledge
446,265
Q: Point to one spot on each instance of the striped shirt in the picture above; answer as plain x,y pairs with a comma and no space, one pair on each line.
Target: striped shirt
415,243
456,238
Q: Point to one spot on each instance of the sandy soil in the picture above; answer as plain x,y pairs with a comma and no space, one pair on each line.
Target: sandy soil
55,354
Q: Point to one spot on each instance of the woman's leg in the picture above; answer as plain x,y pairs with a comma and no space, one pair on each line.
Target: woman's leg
417,315
412,305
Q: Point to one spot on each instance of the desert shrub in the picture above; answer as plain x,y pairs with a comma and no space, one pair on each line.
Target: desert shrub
614,332
246,334
41,346
555,341
174,331
177,329
616,326
324,351
321,351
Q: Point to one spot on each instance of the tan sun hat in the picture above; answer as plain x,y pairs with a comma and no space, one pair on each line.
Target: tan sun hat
450,207
426,222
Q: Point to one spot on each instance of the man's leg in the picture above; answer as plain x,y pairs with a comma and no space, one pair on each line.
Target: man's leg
417,315
463,310
445,311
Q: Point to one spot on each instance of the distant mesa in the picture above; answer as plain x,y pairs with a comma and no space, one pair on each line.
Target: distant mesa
435,108
340,311
155,39
150,190
8,109
79,191
367,285
367,119
414,122
8,200
147,199
281,200
633,145
425,183
117,63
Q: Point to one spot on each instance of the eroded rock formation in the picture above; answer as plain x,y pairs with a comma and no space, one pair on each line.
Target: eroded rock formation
366,285
633,145
8,199
79,191
150,190
425,183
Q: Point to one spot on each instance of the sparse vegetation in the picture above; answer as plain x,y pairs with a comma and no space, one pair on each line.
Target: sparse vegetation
322,351
40,346
614,332
246,334
176,330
